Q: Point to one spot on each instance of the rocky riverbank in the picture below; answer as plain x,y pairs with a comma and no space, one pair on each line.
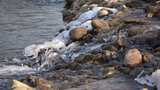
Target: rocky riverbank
105,43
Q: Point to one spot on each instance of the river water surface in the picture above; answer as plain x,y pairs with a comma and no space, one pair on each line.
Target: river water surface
25,22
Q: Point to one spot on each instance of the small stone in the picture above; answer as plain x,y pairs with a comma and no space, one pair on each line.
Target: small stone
147,57
133,57
78,34
17,85
103,13
100,25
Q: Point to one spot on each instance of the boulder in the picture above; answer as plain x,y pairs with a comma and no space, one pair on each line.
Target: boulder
78,34
100,25
133,57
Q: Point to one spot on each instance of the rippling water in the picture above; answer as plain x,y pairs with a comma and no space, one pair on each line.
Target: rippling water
24,22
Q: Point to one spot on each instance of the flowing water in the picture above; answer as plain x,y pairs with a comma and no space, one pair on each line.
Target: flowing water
22,23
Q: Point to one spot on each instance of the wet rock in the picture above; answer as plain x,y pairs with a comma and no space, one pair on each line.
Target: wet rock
78,34
150,38
133,32
133,57
100,25
103,13
17,85
147,57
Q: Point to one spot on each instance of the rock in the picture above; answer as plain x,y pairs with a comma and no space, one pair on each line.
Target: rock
150,38
17,85
100,25
103,13
78,34
147,57
45,85
134,32
133,57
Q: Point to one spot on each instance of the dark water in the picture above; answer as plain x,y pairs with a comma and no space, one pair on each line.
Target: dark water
25,22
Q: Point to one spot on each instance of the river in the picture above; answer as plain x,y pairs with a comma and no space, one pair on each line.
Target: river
25,22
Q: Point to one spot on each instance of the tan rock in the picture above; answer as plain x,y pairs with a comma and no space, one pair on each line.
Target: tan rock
45,85
17,85
78,33
133,57
100,25
103,13
147,56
